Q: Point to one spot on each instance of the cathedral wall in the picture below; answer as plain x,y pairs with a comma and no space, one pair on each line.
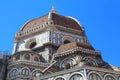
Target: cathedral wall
39,39
58,38
82,74
45,54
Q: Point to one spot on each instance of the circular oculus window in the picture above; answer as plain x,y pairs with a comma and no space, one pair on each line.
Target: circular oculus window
31,43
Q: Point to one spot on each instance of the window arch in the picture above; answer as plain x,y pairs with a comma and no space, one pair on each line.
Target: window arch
67,63
109,77
34,74
27,56
18,57
31,43
67,39
25,71
90,61
13,73
67,66
36,59
94,76
76,77
60,78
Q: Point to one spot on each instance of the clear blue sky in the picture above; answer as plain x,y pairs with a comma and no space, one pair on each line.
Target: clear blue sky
100,18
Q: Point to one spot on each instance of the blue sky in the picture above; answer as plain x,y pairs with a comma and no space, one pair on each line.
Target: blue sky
100,18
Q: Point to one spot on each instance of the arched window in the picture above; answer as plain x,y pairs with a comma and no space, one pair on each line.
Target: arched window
36,59
67,63
76,77
90,62
18,57
25,71
94,76
108,77
32,45
27,56
35,73
67,66
13,73
60,78
66,41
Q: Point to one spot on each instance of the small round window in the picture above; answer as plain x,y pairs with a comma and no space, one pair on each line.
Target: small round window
31,43
60,78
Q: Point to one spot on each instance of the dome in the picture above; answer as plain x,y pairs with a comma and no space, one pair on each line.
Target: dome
67,22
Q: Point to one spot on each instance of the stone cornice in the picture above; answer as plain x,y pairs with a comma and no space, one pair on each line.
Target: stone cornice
69,30
72,51
28,63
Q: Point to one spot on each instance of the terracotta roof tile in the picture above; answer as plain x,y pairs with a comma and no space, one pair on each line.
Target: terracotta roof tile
35,22
72,45
57,20
65,21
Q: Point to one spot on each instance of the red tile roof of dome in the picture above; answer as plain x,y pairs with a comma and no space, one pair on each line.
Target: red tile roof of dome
65,21
72,45
57,20
35,22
